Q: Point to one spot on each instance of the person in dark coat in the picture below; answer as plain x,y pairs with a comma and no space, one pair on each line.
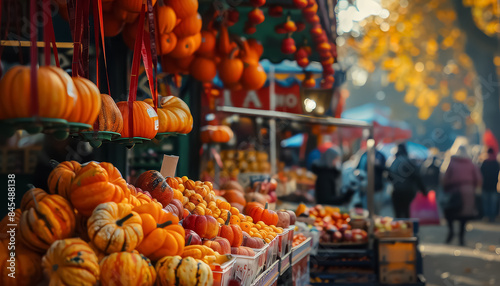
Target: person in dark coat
406,181
430,171
328,172
490,170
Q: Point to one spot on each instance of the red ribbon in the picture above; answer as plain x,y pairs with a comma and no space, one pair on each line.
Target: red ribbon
134,77
85,38
101,26
34,59
152,36
148,66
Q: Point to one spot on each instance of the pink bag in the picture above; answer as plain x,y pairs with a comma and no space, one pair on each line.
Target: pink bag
425,209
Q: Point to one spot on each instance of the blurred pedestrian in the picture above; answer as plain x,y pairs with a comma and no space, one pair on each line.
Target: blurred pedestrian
406,181
460,181
430,171
379,177
490,169
328,171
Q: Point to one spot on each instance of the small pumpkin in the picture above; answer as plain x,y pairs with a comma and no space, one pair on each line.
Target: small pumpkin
88,103
266,215
27,200
230,69
186,46
203,69
207,47
175,270
177,110
168,42
253,77
167,19
48,220
61,178
95,184
231,232
162,239
153,182
27,269
183,8
110,118
189,26
219,244
56,93
234,196
138,268
175,207
159,215
123,15
71,262
145,120
115,227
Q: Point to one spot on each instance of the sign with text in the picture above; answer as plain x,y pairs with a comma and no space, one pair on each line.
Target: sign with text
286,99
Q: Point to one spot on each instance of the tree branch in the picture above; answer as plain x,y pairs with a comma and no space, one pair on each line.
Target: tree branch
473,33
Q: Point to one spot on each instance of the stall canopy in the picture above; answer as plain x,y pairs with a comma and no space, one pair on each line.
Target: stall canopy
386,129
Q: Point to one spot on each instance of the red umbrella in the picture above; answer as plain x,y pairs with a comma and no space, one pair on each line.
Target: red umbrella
490,140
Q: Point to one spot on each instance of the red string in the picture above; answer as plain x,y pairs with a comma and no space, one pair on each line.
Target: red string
148,66
134,77
34,59
46,33
85,38
101,25
152,37
95,14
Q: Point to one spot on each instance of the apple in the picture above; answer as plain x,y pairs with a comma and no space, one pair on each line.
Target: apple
283,219
252,242
337,236
192,238
348,235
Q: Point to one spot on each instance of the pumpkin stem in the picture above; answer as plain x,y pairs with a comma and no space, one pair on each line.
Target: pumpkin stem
53,163
31,186
233,51
124,219
267,205
34,200
162,225
189,240
228,218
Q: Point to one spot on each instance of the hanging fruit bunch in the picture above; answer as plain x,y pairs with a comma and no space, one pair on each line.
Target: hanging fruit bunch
309,81
288,44
255,17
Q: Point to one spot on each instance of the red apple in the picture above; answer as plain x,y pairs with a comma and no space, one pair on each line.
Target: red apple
288,46
192,238
252,242
348,235
219,244
337,236
283,219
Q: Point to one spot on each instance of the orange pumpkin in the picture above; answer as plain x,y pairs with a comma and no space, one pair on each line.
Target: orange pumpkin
132,5
218,134
207,47
95,184
234,196
88,103
57,94
219,244
162,117
145,120
224,46
140,270
253,77
112,26
203,69
172,182
189,26
110,118
183,8
256,46
28,269
61,177
186,46
162,240
27,199
250,205
178,114
231,232
167,43
167,19
266,215
230,69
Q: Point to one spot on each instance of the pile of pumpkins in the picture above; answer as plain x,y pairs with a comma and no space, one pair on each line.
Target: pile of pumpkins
92,227
79,100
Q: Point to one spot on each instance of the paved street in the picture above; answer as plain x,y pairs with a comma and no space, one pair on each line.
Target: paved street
476,264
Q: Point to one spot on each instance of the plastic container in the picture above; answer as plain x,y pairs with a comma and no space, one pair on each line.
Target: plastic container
282,242
272,252
291,231
246,268
223,273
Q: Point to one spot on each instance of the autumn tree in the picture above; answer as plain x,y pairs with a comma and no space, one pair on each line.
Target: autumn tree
439,53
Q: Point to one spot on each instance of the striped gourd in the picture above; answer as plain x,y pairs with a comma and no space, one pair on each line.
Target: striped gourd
175,270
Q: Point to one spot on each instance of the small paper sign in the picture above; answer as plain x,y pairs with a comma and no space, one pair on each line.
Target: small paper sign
169,165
